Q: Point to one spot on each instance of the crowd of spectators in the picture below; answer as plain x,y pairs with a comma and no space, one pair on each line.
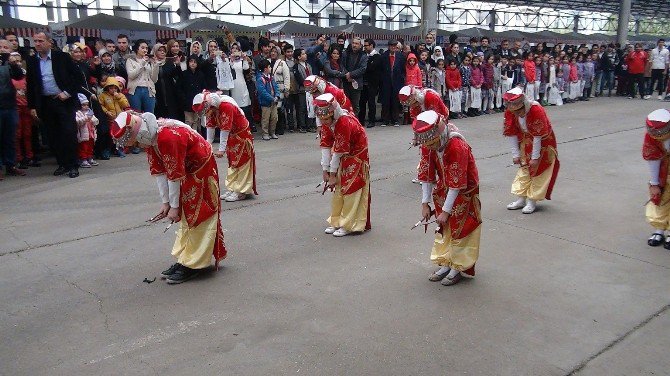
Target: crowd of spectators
66,98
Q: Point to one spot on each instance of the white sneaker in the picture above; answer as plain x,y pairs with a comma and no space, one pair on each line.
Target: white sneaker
416,181
647,96
225,194
330,230
660,97
85,164
340,232
274,137
529,208
518,204
383,125
266,137
234,196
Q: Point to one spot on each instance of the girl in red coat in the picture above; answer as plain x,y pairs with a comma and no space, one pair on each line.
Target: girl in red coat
476,82
529,72
413,74
453,78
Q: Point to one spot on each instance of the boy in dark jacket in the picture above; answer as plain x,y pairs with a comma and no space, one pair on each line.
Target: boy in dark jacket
190,83
268,97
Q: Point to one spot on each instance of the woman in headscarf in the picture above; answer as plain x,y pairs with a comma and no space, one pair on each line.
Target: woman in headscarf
169,71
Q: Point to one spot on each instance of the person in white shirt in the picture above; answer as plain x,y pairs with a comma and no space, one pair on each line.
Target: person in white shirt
660,59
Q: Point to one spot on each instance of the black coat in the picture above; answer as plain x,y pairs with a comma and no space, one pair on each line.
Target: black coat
392,77
373,71
167,103
66,73
209,70
189,85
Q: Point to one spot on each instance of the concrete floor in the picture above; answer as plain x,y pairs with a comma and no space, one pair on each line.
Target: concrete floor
571,289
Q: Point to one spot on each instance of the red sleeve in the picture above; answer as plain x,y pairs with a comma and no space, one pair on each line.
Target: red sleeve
326,137
509,125
226,115
155,163
537,122
651,148
343,130
456,163
172,151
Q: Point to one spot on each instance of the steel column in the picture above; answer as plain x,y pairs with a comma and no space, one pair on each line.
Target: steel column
428,16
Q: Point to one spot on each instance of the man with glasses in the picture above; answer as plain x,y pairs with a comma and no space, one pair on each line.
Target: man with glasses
371,84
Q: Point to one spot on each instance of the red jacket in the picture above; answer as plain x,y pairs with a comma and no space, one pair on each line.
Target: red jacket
413,73
453,78
477,77
529,69
636,62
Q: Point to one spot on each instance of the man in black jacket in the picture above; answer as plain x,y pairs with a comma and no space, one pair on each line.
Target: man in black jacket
9,117
355,63
370,85
53,82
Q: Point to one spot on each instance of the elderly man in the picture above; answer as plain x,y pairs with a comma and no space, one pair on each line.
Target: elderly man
188,183
533,145
53,82
452,184
354,62
222,112
346,167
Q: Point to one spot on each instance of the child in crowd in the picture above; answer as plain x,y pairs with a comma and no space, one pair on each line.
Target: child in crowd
424,66
588,76
438,79
487,86
86,134
268,97
113,102
519,73
413,74
507,76
454,83
476,82
564,79
466,76
580,76
529,74
497,83
539,92
552,90
573,78
190,83
24,129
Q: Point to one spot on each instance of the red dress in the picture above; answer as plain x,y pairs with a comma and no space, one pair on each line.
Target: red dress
350,140
455,169
183,155
652,150
538,125
240,145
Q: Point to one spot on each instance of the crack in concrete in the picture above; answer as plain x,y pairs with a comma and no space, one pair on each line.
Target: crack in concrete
617,340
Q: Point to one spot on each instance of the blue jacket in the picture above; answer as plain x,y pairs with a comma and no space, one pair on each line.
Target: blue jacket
264,89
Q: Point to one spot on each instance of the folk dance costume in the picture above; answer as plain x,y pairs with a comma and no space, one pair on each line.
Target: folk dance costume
656,151
316,86
188,182
222,112
533,144
346,165
449,173
419,100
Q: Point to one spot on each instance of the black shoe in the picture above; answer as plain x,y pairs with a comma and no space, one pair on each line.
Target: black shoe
370,125
302,130
169,271
182,274
60,171
656,239
666,245
74,172
35,163
13,171
254,129
24,164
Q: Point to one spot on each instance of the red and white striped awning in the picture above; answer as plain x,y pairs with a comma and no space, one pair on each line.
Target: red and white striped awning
167,34
82,32
24,31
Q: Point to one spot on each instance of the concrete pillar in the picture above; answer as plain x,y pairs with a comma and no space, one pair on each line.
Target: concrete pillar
372,11
184,12
624,18
492,20
428,16
575,24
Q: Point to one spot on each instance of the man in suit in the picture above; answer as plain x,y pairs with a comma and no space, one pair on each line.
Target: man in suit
392,80
370,85
53,83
